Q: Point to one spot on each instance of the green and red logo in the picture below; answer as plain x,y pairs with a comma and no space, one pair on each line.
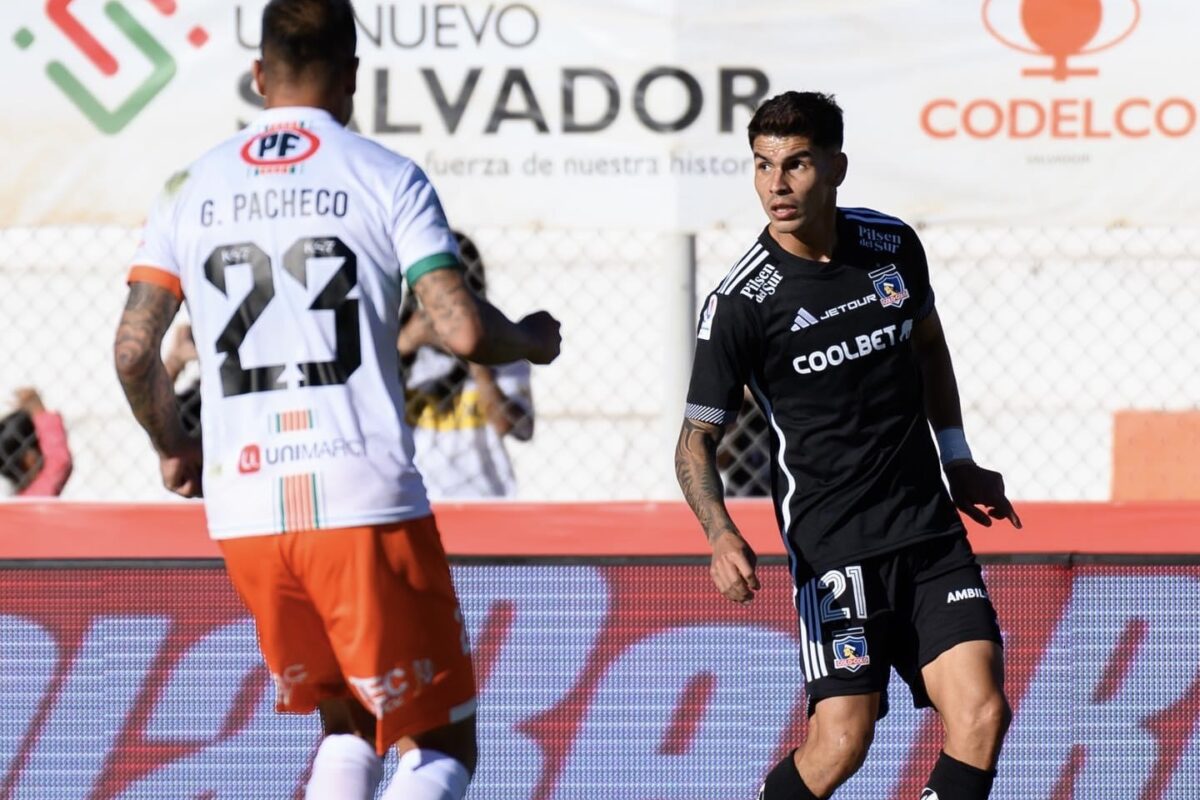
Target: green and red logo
163,67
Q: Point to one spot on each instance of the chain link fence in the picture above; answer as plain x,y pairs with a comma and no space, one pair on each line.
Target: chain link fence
1056,333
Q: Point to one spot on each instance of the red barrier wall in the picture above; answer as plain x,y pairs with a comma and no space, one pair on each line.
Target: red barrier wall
49,530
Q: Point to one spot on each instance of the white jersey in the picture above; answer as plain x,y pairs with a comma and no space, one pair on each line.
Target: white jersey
290,243
459,454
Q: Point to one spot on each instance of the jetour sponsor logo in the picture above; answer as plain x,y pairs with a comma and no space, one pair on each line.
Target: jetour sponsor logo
1062,32
107,119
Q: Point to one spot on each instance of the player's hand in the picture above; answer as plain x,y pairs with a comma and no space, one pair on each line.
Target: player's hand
182,470
545,339
732,568
979,493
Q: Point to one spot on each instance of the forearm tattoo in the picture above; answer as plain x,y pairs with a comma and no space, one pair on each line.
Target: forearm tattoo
148,313
696,469
447,300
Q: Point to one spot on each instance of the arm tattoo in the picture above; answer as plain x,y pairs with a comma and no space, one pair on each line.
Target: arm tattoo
447,300
696,469
137,352
467,324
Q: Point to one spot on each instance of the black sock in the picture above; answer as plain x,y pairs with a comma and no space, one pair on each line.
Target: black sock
784,783
953,780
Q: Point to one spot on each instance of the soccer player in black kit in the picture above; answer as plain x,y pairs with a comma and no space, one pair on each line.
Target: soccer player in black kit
829,318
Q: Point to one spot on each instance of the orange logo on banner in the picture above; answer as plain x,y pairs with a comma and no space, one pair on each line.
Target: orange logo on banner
1061,29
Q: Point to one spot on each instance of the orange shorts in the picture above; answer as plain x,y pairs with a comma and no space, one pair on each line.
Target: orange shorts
365,612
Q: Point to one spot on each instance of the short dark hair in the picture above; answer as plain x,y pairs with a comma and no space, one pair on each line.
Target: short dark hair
814,115
309,34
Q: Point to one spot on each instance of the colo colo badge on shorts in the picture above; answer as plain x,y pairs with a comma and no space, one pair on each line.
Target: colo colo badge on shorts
850,650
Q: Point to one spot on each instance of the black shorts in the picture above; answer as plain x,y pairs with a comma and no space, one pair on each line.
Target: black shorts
901,609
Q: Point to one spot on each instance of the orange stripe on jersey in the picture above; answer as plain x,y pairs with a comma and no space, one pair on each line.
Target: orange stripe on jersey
288,421
145,273
298,494
305,509
289,488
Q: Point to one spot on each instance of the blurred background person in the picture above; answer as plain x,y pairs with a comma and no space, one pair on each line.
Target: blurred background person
34,457
461,412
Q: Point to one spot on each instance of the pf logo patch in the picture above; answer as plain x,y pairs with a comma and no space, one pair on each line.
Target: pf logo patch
850,650
280,148
889,285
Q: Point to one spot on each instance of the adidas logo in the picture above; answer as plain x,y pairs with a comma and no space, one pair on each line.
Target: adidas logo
803,320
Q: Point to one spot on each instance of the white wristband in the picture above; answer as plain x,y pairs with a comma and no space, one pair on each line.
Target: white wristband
952,445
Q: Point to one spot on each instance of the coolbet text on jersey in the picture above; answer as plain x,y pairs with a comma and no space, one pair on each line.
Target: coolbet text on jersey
290,243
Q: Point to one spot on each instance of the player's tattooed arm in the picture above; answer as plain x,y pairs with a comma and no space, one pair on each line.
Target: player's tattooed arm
452,308
474,329
733,561
138,355
696,469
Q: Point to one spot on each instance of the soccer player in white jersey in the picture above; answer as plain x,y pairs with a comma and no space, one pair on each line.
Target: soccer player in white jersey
290,243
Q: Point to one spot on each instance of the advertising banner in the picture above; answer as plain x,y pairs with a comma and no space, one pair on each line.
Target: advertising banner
598,682
632,113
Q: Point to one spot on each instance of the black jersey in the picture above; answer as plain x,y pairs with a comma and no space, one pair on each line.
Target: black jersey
825,349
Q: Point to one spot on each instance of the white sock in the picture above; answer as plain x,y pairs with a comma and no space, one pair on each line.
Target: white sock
428,775
345,768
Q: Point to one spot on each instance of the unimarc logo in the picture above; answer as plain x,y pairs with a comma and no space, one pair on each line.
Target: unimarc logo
110,120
